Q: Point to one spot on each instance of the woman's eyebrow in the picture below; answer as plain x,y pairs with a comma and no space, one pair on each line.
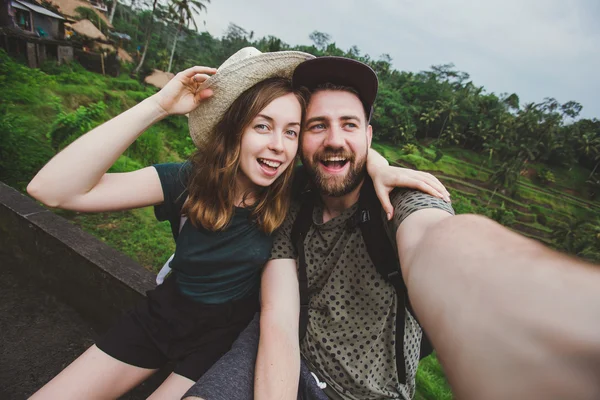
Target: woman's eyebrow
265,117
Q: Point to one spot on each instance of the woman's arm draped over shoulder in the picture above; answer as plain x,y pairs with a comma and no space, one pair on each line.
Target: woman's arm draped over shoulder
76,178
386,178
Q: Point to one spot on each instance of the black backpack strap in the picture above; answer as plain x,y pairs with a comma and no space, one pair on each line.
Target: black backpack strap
300,229
385,259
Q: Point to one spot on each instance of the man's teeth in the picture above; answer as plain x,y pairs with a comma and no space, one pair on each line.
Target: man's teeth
332,159
270,163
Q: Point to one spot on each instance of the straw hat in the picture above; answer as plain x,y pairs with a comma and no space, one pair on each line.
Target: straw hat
237,74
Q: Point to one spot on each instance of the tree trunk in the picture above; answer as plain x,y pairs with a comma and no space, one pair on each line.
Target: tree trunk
112,12
594,170
174,46
148,36
443,125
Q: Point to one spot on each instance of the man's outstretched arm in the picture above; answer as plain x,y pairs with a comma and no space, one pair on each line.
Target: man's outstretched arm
509,317
278,360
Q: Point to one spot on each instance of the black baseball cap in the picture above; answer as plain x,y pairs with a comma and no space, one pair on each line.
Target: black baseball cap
339,71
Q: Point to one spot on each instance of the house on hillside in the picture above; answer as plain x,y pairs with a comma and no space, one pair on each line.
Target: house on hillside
31,18
36,34
30,31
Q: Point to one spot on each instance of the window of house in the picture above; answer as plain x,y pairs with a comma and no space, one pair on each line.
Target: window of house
23,19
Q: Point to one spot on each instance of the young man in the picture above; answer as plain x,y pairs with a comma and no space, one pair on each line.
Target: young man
508,317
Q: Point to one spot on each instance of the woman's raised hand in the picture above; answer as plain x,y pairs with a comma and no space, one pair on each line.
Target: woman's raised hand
181,94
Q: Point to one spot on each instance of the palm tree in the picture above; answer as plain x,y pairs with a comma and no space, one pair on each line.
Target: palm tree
450,108
428,118
112,11
590,147
182,11
148,35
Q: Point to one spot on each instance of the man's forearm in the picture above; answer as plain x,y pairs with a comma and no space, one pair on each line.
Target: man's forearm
278,360
509,317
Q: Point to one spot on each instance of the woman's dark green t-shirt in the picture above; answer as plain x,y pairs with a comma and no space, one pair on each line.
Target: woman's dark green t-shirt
211,267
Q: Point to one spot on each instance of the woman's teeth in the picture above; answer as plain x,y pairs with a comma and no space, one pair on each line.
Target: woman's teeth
270,163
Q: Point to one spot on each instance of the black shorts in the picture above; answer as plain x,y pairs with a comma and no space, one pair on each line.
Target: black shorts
168,326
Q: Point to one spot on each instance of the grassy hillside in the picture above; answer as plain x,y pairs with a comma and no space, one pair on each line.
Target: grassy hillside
41,111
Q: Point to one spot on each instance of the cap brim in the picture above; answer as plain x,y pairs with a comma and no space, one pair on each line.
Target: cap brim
339,71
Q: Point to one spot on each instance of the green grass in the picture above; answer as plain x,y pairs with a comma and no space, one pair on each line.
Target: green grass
431,381
136,233
423,160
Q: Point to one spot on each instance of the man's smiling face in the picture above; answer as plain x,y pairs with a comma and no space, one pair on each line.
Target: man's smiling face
335,141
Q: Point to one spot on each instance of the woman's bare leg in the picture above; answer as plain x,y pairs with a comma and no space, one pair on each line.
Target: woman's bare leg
93,375
173,387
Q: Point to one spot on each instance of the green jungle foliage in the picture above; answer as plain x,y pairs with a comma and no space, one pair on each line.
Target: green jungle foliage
531,167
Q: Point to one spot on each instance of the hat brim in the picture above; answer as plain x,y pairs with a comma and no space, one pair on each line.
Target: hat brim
230,83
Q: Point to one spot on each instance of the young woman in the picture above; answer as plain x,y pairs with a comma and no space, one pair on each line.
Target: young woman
245,121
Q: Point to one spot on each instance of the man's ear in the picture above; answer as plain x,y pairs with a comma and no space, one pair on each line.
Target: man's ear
369,136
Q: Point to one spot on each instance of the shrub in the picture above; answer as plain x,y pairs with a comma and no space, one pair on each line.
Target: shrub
126,84
462,205
20,85
22,152
137,96
410,148
546,176
69,126
125,164
148,148
502,215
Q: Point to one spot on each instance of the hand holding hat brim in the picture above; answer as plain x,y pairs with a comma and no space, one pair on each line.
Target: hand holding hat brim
184,92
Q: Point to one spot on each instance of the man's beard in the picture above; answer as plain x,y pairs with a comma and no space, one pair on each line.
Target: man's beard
336,186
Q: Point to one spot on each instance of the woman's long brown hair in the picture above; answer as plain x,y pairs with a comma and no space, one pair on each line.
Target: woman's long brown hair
212,187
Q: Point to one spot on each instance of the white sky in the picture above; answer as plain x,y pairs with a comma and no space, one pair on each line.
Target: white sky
536,48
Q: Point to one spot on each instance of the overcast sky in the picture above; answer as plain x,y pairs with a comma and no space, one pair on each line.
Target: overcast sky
535,48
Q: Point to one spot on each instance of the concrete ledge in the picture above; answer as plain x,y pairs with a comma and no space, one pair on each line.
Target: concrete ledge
93,278
60,288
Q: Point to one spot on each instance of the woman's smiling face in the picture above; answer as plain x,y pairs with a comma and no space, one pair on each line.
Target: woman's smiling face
270,142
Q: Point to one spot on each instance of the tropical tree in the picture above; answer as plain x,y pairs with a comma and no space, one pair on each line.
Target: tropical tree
182,11
149,28
449,109
320,39
589,146
579,237
428,117
112,11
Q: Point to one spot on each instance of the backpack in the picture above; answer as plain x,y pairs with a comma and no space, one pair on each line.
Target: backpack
370,220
